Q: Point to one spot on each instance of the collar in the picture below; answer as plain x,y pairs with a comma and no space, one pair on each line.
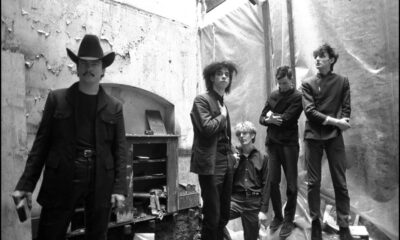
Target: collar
72,93
217,96
240,149
288,92
320,75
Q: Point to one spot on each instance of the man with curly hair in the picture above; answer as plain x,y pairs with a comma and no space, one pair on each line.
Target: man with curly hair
212,157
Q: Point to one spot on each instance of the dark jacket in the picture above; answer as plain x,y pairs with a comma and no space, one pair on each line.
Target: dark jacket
55,149
288,106
207,124
325,96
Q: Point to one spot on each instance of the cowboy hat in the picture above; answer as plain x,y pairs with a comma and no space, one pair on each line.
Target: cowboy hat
90,49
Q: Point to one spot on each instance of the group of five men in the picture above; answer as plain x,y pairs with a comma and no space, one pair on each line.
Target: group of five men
81,145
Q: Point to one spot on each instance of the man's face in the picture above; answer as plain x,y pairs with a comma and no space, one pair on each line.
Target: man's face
221,79
90,71
245,138
285,84
323,62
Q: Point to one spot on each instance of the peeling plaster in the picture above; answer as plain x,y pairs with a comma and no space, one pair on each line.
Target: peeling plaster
105,39
46,34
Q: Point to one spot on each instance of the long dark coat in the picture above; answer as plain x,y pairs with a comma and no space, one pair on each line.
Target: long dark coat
55,149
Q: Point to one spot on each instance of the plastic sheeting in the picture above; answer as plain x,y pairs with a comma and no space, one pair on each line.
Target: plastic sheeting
238,37
366,37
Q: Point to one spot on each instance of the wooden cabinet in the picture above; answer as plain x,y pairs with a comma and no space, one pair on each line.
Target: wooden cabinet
152,165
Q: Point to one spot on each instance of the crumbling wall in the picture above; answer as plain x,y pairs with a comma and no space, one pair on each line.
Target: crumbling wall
152,52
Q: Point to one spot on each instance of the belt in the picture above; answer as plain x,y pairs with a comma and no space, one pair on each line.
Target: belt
248,193
251,193
87,153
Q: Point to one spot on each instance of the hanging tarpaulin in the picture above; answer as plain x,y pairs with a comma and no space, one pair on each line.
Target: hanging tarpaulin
365,34
238,37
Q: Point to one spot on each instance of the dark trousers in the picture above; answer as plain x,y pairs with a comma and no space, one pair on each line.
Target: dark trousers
247,208
285,156
335,153
216,193
54,222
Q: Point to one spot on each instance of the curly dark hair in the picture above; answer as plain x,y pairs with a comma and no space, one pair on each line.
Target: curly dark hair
211,69
283,71
326,48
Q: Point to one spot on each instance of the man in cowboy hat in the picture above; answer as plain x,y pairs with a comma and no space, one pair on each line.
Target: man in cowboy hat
81,144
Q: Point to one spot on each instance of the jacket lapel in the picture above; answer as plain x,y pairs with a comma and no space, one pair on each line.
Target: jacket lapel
101,99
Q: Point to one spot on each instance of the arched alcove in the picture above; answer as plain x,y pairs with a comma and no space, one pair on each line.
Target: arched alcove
136,101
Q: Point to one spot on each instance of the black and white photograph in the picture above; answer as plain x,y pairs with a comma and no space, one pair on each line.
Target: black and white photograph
200,120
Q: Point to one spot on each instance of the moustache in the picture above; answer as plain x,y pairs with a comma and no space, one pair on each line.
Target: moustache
84,74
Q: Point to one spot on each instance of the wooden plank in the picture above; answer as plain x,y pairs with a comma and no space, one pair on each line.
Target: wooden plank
291,40
155,122
13,142
267,45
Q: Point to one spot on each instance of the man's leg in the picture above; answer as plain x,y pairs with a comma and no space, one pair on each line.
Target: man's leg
96,219
313,155
250,218
289,164
211,206
235,212
224,185
337,165
53,223
274,171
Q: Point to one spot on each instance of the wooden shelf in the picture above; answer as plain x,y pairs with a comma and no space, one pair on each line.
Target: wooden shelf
137,161
81,231
149,177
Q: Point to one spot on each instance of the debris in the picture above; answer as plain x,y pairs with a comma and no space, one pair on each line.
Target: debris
9,30
23,12
28,64
68,22
78,39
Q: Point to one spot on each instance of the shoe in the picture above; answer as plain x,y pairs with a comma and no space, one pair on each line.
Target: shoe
316,231
344,234
286,229
274,225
